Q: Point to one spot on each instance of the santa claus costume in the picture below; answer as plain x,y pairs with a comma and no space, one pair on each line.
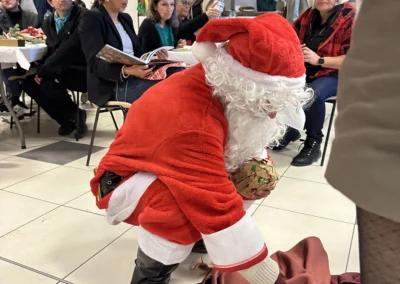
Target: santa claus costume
184,135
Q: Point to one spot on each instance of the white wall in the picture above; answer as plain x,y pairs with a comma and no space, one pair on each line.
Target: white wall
132,10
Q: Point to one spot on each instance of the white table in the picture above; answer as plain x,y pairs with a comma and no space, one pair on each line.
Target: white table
186,56
23,56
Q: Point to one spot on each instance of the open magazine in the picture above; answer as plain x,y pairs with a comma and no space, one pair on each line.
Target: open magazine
113,55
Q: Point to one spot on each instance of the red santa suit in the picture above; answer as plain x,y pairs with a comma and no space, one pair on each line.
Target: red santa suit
171,150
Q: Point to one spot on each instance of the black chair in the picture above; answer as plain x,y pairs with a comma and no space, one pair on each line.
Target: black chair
108,107
333,102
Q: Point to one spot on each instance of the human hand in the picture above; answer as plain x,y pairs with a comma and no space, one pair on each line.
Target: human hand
213,12
140,71
162,54
309,55
181,43
38,80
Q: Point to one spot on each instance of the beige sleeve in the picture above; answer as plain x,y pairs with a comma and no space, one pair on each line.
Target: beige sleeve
365,159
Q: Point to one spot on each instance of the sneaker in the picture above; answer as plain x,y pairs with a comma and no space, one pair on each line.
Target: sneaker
310,153
291,135
20,111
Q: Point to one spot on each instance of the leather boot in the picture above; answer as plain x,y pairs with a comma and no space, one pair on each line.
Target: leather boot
291,135
150,271
310,153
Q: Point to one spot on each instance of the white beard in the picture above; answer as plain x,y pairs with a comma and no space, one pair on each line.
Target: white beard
249,135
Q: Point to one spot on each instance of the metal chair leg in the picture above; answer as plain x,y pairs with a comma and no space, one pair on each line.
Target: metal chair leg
113,118
77,116
93,135
328,133
38,120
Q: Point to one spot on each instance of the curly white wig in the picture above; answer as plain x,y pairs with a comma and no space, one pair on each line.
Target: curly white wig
248,101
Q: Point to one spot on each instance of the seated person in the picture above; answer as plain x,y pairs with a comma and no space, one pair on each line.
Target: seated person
11,14
107,24
188,28
64,69
199,7
324,32
161,28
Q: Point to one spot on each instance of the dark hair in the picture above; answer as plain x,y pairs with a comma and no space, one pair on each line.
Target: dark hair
155,16
96,4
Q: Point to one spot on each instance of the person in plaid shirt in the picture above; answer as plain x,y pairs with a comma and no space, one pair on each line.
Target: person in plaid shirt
324,31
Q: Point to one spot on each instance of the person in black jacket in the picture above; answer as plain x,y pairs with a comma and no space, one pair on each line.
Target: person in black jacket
64,69
11,14
161,27
199,7
188,27
107,24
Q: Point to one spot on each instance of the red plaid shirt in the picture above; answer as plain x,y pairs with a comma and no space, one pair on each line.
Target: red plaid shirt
339,41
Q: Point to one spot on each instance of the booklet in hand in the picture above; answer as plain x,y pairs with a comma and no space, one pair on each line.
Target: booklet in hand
113,55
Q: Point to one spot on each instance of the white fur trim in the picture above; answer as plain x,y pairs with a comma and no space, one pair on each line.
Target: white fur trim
247,204
161,249
273,83
203,50
125,197
235,245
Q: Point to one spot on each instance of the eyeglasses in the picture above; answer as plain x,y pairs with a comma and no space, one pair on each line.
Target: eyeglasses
186,2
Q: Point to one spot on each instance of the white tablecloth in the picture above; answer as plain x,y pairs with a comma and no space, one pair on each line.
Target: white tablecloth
22,55
185,56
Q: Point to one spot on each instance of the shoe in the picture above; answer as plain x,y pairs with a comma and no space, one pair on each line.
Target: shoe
66,130
291,135
310,153
82,127
20,111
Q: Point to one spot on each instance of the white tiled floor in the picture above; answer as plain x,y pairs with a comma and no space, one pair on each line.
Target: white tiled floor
52,232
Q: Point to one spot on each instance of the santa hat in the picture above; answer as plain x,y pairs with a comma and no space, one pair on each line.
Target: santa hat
265,49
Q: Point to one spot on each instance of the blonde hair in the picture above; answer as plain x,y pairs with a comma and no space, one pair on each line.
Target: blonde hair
338,2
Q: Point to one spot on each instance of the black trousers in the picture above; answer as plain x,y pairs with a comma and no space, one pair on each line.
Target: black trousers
150,271
53,97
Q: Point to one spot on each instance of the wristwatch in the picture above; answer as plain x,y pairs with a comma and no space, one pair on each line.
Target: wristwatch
321,61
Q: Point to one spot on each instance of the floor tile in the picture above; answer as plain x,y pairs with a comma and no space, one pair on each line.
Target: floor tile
314,173
312,198
12,146
282,230
115,264
17,210
61,152
55,185
13,274
104,137
15,169
86,202
253,208
2,156
94,161
60,241
354,258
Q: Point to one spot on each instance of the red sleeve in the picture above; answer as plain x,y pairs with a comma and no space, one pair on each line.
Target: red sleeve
193,163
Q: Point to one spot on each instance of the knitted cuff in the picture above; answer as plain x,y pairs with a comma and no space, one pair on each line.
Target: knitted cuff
265,272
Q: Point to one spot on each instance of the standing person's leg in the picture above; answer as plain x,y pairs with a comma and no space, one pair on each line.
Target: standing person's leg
133,88
324,88
379,248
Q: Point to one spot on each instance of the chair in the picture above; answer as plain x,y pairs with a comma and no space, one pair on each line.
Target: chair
333,102
108,107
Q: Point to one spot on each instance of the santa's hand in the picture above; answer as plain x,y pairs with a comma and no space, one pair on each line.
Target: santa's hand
265,272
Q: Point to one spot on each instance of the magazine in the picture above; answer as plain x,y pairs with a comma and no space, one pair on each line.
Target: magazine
113,55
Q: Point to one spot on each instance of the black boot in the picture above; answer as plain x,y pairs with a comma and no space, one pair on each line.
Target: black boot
82,127
199,247
310,153
150,271
291,135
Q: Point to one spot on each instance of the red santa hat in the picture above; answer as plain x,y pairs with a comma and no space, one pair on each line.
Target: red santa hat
265,49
